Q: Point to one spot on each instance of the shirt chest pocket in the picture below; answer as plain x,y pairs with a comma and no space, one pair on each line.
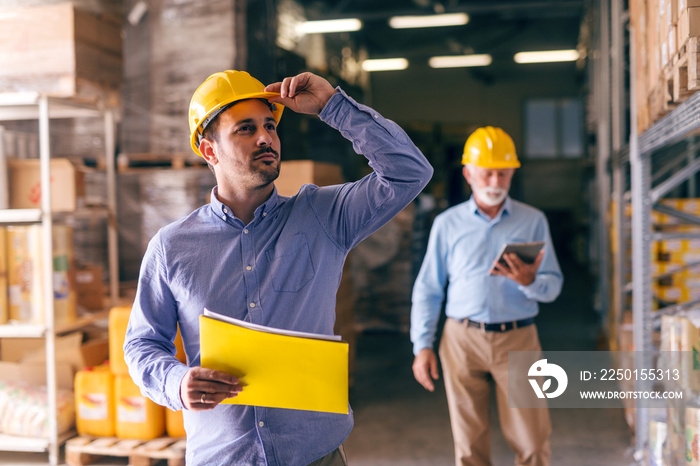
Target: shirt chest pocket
290,264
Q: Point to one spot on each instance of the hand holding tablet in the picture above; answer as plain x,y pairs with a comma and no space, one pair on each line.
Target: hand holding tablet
527,252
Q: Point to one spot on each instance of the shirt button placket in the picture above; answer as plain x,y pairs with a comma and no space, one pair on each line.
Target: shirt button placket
250,279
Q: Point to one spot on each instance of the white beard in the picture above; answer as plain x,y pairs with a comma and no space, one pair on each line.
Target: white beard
490,196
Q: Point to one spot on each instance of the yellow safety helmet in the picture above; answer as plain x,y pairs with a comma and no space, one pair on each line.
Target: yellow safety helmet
219,90
490,147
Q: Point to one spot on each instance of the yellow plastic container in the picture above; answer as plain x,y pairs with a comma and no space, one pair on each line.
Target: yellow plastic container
94,402
174,423
118,321
180,347
137,416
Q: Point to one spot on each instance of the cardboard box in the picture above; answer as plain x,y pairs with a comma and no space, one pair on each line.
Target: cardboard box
35,374
688,24
296,173
88,279
59,50
90,287
69,350
67,185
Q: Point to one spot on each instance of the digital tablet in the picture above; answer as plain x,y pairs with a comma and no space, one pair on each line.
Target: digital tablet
527,252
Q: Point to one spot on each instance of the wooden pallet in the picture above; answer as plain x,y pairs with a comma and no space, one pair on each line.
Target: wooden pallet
133,161
681,78
85,449
150,160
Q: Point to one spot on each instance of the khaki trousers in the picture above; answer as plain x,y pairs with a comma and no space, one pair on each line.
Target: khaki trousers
335,458
470,357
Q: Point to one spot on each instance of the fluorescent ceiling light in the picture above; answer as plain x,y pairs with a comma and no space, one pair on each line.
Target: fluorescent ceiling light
331,25
459,61
546,57
428,21
385,64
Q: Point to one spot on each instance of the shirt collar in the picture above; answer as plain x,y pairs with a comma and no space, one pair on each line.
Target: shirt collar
505,209
221,210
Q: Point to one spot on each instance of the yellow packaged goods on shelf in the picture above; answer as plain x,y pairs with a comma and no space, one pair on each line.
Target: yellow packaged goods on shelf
118,322
137,416
65,297
94,400
174,423
25,279
4,304
24,273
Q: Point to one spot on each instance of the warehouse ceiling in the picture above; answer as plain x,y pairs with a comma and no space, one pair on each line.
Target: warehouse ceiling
499,28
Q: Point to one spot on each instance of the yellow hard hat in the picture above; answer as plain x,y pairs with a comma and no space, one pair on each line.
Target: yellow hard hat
490,147
219,90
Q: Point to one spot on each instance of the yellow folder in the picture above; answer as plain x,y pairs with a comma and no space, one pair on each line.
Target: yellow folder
280,369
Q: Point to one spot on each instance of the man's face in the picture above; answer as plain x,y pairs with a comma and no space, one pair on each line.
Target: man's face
489,185
247,148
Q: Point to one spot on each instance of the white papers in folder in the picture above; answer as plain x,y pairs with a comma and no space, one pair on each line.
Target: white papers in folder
263,328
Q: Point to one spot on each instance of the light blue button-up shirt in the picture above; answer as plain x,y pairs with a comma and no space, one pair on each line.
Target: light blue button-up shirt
462,247
282,270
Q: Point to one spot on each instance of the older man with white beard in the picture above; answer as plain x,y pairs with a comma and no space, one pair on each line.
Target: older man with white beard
490,306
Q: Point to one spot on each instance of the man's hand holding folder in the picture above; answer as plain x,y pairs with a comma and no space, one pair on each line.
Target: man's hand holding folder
202,389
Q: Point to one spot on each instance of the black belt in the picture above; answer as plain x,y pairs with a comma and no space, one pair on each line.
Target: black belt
502,326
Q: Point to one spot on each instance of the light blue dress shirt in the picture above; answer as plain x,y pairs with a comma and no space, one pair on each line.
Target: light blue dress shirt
282,270
462,247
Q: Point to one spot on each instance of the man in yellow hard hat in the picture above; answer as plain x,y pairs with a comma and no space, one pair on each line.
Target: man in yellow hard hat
490,306
257,256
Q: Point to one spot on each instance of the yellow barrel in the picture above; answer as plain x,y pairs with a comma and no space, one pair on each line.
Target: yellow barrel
94,401
118,321
174,423
137,416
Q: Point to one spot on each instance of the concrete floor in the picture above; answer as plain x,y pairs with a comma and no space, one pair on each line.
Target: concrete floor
398,423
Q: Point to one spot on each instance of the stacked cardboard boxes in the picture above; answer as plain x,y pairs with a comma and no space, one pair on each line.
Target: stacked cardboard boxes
680,346
666,37
60,50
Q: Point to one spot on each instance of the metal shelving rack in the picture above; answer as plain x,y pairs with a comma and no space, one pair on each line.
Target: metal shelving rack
652,175
36,106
